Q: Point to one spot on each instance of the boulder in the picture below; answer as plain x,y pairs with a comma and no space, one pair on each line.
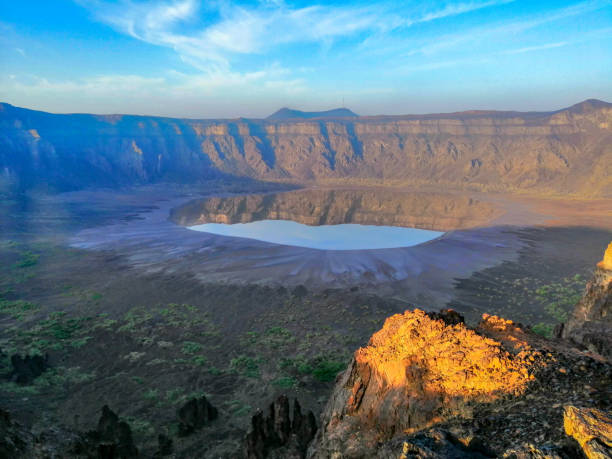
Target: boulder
195,414
431,444
114,436
418,370
591,428
165,446
27,369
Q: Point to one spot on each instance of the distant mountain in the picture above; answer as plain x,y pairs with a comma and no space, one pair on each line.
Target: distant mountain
560,152
588,106
288,114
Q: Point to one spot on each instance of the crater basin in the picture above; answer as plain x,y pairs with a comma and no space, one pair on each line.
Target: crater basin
349,236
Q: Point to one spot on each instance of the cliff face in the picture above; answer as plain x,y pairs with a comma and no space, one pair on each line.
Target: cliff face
435,211
569,151
427,385
417,371
591,321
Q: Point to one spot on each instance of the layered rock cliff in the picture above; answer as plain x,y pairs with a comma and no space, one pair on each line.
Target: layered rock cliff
434,211
427,385
591,322
568,151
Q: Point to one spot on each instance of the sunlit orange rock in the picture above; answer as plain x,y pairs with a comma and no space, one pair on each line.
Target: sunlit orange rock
606,263
591,428
590,324
452,361
418,370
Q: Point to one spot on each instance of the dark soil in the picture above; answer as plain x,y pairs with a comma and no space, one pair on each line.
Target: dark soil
544,284
144,344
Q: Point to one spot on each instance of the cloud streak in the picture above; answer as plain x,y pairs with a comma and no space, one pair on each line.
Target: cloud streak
223,31
479,34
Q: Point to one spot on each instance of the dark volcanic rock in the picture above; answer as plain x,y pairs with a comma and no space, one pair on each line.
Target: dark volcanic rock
591,322
300,291
27,369
195,414
448,316
14,439
530,451
165,446
432,444
111,440
277,435
113,437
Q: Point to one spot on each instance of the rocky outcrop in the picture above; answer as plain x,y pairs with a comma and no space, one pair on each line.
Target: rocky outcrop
195,414
15,441
591,322
420,370
27,369
606,263
591,428
436,211
433,444
165,446
427,385
277,435
112,439
568,151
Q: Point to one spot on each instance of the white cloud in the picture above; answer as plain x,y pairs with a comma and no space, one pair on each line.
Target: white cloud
211,35
529,49
461,8
174,94
226,29
451,41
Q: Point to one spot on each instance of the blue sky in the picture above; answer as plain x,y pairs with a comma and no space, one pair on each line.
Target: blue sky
196,58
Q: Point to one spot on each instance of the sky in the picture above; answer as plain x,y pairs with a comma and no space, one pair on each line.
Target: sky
224,59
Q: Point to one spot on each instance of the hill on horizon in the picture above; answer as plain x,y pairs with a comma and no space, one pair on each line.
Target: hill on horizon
288,113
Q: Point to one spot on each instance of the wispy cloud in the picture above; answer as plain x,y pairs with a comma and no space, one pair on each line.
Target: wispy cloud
529,49
21,51
221,31
460,8
227,29
447,42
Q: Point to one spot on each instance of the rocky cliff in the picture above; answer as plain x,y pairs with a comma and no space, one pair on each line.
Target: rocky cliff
436,211
591,322
568,151
427,385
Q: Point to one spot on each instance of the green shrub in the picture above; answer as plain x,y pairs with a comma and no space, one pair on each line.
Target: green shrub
543,329
17,309
79,343
199,360
190,347
286,382
326,370
151,394
28,259
248,366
